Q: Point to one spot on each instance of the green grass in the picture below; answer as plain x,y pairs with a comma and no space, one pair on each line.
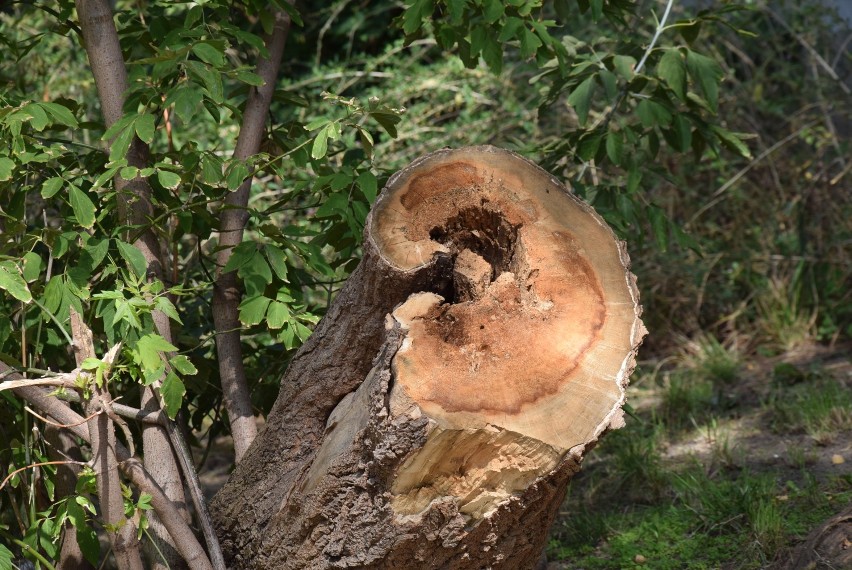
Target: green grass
820,408
709,522
636,506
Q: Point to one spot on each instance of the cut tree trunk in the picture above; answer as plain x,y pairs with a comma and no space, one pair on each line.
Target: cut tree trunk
437,413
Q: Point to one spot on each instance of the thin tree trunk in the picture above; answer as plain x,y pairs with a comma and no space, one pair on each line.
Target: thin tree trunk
226,291
436,414
120,530
107,63
63,447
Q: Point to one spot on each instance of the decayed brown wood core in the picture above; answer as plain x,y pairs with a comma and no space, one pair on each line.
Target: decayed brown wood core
522,309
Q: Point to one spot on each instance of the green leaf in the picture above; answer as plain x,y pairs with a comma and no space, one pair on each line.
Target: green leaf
84,208
6,167
186,102
256,275
615,147
250,78
672,71
13,282
705,72
144,126
588,145
652,114
164,305
510,29
413,17
60,114
277,315
149,348
240,255
493,10
6,558
32,266
277,260
634,177
51,186
253,309
183,365
118,126
209,53
581,98
134,258
39,120
681,133
237,174
170,180
320,146
172,392
529,43
387,120
119,146
317,123
368,184
659,224
732,141
129,172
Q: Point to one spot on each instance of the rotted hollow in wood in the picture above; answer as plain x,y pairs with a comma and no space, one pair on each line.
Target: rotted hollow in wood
506,323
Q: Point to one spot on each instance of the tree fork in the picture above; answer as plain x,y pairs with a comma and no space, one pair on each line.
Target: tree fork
437,413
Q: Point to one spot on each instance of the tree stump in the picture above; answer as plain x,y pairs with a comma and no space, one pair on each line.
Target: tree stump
437,413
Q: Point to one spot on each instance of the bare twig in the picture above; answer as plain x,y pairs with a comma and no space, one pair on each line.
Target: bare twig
12,474
718,194
63,381
819,59
66,426
605,119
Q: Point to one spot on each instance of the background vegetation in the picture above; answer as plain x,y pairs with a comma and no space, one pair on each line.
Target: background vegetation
716,143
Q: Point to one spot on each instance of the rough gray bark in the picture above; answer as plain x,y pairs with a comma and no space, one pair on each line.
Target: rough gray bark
226,291
356,468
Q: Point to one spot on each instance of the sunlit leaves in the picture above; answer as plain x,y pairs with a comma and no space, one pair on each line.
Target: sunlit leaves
13,282
134,258
84,208
7,166
172,391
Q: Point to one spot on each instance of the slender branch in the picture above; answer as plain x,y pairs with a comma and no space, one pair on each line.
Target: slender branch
604,121
226,291
66,426
718,195
63,381
129,412
27,548
819,59
121,530
32,466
